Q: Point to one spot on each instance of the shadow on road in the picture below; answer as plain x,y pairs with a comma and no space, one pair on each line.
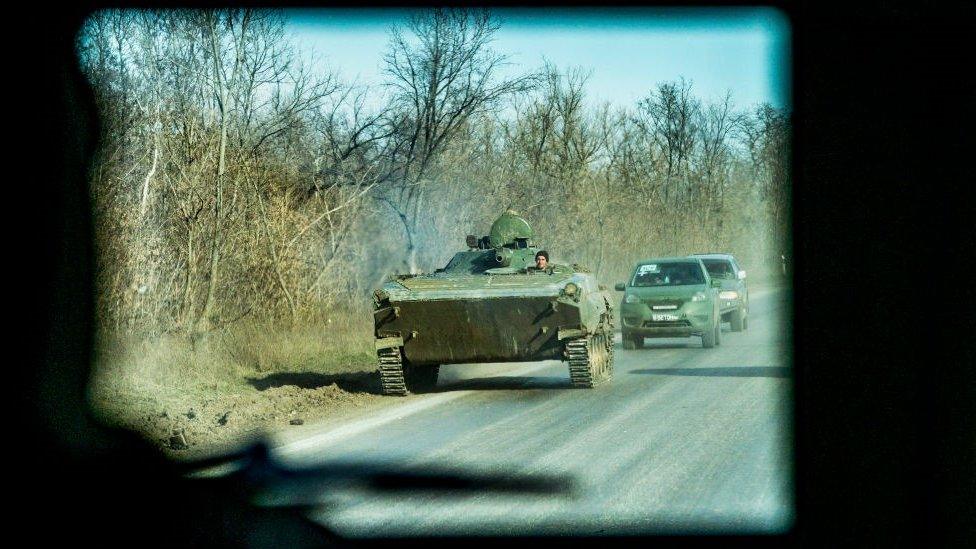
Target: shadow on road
732,371
505,383
648,346
355,382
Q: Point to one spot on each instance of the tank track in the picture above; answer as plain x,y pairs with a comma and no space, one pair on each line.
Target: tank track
392,381
585,362
579,362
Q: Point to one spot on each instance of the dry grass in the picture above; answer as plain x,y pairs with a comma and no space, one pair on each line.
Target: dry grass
245,378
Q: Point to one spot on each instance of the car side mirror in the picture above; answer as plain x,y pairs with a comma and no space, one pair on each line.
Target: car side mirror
716,283
742,275
620,286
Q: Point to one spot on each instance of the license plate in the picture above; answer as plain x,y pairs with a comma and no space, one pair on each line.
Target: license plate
663,317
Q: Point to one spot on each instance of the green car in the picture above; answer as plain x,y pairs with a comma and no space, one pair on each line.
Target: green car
734,295
670,297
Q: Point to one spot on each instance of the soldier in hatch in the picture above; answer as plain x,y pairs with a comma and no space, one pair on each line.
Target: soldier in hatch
542,265
541,262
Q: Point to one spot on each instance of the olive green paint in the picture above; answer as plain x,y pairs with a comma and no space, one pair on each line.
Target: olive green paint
490,304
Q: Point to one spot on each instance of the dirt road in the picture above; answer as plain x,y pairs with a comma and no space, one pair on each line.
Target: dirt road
682,439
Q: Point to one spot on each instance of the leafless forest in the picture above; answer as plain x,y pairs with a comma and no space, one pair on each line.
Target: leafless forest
236,183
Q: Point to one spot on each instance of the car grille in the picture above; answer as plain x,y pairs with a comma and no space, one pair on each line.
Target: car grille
676,303
667,324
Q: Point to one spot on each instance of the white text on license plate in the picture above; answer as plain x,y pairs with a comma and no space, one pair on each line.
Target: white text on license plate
663,317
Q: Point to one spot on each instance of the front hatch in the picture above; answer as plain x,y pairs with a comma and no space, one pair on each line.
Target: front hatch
429,287
483,281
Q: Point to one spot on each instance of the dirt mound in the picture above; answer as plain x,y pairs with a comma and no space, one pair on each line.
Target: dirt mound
206,396
185,426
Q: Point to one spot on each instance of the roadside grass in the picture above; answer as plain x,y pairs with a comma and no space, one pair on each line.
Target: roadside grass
234,382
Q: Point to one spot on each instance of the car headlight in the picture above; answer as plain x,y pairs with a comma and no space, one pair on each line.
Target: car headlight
570,289
729,294
699,296
631,298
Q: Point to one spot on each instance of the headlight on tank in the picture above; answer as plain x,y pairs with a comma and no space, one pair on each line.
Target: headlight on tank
571,289
631,298
699,296
729,294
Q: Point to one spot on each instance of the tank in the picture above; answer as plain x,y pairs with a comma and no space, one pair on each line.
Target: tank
491,303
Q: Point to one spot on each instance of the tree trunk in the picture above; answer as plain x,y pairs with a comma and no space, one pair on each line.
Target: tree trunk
276,265
204,323
186,302
144,200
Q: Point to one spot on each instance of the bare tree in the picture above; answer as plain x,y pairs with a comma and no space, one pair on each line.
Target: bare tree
767,138
713,163
220,110
440,74
553,133
668,117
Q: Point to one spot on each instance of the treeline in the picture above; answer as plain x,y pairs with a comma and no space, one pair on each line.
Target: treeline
236,181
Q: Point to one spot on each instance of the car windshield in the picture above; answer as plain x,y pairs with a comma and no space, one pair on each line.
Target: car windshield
668,274
719,268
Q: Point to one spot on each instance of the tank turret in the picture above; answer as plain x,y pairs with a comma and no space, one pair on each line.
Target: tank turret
510,231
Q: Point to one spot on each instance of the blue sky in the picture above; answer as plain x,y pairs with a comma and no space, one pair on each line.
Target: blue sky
629,51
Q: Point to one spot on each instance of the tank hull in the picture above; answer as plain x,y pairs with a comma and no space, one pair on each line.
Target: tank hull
481,329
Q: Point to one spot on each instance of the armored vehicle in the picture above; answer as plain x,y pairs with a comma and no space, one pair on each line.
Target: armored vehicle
733,295
491,303
670,297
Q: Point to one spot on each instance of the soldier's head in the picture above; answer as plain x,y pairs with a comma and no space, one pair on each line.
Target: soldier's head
541,259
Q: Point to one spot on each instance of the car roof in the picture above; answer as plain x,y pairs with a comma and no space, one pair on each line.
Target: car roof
713,256
670,259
